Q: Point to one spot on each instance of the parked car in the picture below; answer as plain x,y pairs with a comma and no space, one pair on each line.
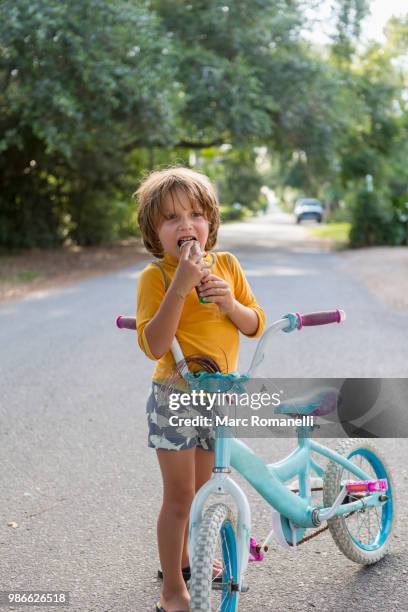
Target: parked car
308,208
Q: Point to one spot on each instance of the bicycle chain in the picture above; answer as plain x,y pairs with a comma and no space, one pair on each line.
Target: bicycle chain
312,535
318,531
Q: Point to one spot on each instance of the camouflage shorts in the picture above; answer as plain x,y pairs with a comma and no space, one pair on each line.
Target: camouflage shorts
174,437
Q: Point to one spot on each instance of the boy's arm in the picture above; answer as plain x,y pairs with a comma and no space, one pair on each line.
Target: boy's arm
218,291
246,300
238,302
161,328
245,318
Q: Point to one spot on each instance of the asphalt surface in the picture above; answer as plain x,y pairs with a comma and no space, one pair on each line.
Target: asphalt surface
83,490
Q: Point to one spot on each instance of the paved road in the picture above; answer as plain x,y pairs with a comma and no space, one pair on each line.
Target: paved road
78,479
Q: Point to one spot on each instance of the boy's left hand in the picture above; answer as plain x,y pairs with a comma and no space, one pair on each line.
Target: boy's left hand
216,290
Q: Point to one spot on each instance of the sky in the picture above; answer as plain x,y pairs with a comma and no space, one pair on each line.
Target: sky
381,11
372,26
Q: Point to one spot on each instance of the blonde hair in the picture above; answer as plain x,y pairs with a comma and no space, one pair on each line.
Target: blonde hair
157,185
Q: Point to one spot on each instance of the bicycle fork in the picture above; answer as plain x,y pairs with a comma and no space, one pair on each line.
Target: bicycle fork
221,484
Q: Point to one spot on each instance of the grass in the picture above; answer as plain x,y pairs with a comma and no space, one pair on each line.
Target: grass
27,277
339,232
20,277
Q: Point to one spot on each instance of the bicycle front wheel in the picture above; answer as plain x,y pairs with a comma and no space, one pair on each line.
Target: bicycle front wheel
216,539
363,536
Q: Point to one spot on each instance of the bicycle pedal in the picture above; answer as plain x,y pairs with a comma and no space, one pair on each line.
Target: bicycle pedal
366,486
255,550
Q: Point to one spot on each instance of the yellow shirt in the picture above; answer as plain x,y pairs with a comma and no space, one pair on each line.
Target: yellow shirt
202,329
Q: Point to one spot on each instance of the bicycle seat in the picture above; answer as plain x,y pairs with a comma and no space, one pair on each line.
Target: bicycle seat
316,403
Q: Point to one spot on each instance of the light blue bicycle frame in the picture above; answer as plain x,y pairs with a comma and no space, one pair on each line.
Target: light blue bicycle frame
269,481
295,509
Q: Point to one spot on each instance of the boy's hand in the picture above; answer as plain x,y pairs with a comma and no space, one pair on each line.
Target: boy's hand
189,272
216,290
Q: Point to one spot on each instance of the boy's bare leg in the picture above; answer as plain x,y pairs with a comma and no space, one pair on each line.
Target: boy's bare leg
185,560
204,463
178,472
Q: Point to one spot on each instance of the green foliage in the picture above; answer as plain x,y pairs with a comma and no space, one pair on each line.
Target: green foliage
94,94
348,17
339,232
225,52
83,84
242,182
234,172
373,221
340,215
233,212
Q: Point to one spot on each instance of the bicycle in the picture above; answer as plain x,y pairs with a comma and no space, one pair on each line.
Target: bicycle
357,487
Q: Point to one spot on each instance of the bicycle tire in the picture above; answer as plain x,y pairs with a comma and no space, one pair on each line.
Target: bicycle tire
217,526
341,528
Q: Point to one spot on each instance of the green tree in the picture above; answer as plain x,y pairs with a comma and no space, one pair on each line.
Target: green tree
373,221
83,84
348,15
94,93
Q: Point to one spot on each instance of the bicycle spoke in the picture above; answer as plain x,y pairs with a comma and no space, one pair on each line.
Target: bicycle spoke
369,525
221,591
358,520
378,518
359,523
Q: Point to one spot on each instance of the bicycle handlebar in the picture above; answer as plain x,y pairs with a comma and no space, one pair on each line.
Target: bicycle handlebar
288,323
320,318
125,322
306,320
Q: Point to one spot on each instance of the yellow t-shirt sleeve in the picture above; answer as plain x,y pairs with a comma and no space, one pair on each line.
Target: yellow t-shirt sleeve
150,293
244,295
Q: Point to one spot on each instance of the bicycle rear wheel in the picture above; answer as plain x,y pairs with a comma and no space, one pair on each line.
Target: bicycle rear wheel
216,539
363,536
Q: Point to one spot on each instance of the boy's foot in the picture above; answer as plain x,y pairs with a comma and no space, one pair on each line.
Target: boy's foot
160,608
217,571
174,602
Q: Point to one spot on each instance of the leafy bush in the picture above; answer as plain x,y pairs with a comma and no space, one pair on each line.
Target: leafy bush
373,221
236,212
339,215
238,180
82,85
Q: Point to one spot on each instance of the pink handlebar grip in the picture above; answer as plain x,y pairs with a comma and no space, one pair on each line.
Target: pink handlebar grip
125,322
320,318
